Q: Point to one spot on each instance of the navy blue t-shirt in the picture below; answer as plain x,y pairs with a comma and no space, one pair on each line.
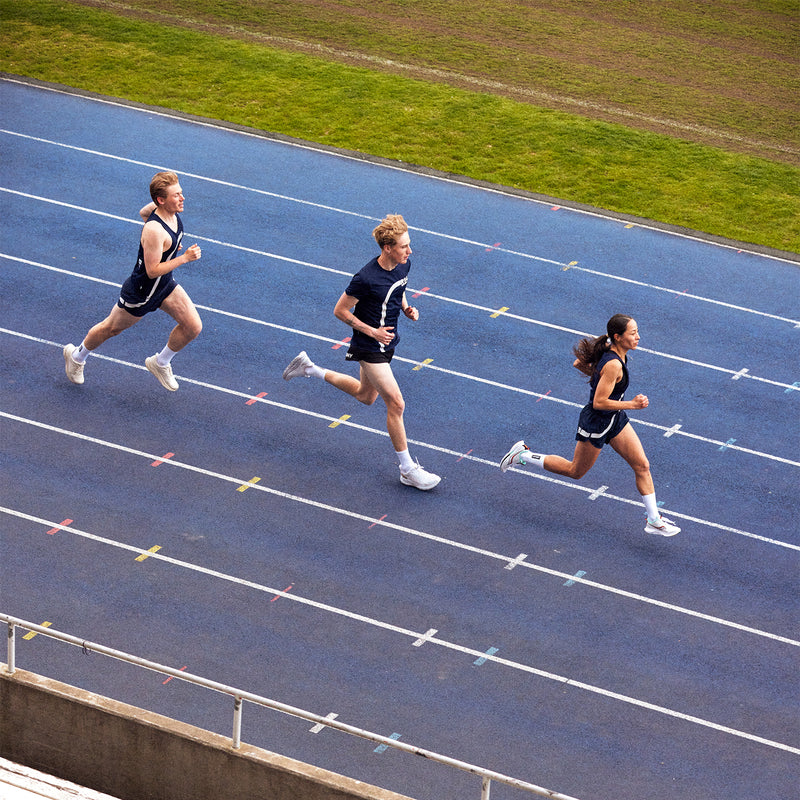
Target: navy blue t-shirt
380,300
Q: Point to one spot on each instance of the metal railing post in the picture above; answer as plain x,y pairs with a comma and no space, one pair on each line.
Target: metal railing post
11,649
239,696
237,722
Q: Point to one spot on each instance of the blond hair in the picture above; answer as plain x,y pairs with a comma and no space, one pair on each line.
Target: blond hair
392,227
160,183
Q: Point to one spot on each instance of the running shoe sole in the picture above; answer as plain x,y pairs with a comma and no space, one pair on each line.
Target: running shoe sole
426,487
163,374
508,458
72,368
297,366
669,529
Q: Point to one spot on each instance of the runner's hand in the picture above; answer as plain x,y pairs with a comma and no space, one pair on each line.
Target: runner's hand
192,253
384,335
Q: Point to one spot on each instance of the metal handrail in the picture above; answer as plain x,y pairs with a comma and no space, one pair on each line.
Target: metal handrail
486,775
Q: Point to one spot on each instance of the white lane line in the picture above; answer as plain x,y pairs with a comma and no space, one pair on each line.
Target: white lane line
437,234
446,451
426,636
224,390
453,373
575,332
344,156
735,374
508,560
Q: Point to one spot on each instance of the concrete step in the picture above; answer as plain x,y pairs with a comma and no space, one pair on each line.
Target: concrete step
18,782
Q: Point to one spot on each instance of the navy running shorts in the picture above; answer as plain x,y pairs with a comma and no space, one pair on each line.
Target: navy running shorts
371,357
598,428
132,301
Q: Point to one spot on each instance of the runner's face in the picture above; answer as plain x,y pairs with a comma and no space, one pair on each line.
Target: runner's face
400,251
173,200
630,339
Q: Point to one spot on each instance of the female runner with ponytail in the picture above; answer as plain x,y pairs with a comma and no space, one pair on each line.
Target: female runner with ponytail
603,420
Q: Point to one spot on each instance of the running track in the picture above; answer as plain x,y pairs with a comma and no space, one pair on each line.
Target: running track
520,622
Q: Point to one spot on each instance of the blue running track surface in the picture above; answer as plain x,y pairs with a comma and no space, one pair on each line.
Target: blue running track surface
521,621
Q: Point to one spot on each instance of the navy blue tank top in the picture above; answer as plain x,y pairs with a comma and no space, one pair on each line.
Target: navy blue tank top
142,285
618,392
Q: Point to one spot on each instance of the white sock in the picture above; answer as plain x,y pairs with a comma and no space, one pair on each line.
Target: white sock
650,504
406,463
165,356
315,372
80,354
530,459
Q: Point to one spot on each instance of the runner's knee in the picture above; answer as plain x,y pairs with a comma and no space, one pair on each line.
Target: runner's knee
111,329
576,471
366,395
641,466
193,328
395,405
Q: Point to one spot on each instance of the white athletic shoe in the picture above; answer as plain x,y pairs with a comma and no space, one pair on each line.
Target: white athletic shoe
508,458
164,374
73,369
297,366
419,478
661,527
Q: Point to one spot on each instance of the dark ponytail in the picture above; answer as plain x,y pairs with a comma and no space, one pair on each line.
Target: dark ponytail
589,351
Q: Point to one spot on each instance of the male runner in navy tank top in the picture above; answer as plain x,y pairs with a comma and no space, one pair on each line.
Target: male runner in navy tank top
150,286
603,419
371,306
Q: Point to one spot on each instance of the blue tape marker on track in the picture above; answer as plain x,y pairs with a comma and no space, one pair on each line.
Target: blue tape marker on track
482,660
579,574
382,748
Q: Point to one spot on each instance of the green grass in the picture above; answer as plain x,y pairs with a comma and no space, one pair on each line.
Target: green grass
483,136
730,66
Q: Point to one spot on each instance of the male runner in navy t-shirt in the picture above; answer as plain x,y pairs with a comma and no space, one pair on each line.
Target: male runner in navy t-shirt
371,306
150,286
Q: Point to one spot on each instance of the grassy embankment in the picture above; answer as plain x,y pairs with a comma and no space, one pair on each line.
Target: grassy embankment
235,74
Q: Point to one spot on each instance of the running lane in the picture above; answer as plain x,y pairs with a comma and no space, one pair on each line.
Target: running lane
255,531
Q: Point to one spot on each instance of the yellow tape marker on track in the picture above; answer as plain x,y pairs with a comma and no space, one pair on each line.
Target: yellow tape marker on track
245,486
424,364
153,549
341,419
31,634
498,313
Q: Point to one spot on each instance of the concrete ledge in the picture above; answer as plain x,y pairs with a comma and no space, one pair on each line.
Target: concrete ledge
135,754
18,782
